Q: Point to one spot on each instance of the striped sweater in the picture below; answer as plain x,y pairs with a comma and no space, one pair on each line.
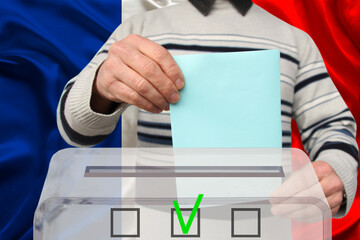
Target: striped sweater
308,95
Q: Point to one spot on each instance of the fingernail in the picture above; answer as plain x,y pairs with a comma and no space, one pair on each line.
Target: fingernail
166,107
174,97
179,84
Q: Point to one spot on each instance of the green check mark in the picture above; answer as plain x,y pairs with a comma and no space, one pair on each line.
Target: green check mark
185,228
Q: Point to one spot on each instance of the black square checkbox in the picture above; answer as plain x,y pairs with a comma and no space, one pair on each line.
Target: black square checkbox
245,222
125,222
175,225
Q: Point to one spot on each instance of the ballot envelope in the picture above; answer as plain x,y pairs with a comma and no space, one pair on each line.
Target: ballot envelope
178,193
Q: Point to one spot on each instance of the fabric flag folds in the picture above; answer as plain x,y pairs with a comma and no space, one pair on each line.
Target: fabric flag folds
334,25
43,45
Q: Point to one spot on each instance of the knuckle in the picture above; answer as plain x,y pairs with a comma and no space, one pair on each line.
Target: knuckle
108,66
338,199
320,171
161,53
112,97
329,189
141,86
148,106
149,68
132,37
108,90
133,97
335,187
338,184
322,168
106,83
109,85
124,51
119,94
168,89
172,69
113,48
119,49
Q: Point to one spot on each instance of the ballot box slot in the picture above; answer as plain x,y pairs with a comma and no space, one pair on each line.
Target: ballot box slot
184,171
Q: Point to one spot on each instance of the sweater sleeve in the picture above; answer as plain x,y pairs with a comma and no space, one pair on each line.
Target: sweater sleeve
326,125
78,124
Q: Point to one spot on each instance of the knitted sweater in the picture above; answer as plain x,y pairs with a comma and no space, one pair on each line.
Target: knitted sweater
308,95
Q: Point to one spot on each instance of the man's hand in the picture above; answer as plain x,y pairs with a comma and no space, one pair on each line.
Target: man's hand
140,72
303,184
331,184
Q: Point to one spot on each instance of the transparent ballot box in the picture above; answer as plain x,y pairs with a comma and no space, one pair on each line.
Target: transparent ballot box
166,193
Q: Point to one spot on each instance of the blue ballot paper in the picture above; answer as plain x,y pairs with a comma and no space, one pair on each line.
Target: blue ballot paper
229,100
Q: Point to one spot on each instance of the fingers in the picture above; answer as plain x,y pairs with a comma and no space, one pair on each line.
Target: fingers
301,206
329,180
293,199
289,207
151,71
299,182
335,201
302,184
285,197
141,86
162,57
126,94
115,90
331,184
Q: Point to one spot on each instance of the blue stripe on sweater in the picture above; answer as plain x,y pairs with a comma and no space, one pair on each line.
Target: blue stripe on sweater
222,49
155,125
310,80
348,148
150,138
326,125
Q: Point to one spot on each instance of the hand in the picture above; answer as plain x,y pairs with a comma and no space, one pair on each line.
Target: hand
303,184
331,184
139,72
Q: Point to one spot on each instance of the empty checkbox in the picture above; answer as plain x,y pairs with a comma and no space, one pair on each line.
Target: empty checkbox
245,222
125,222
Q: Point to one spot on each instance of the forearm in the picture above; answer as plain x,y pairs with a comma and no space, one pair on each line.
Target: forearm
78,122
326,125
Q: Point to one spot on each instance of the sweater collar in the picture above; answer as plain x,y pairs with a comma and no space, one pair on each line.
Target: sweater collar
205,6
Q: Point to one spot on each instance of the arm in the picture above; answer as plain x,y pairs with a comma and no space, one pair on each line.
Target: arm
78,124
327,128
